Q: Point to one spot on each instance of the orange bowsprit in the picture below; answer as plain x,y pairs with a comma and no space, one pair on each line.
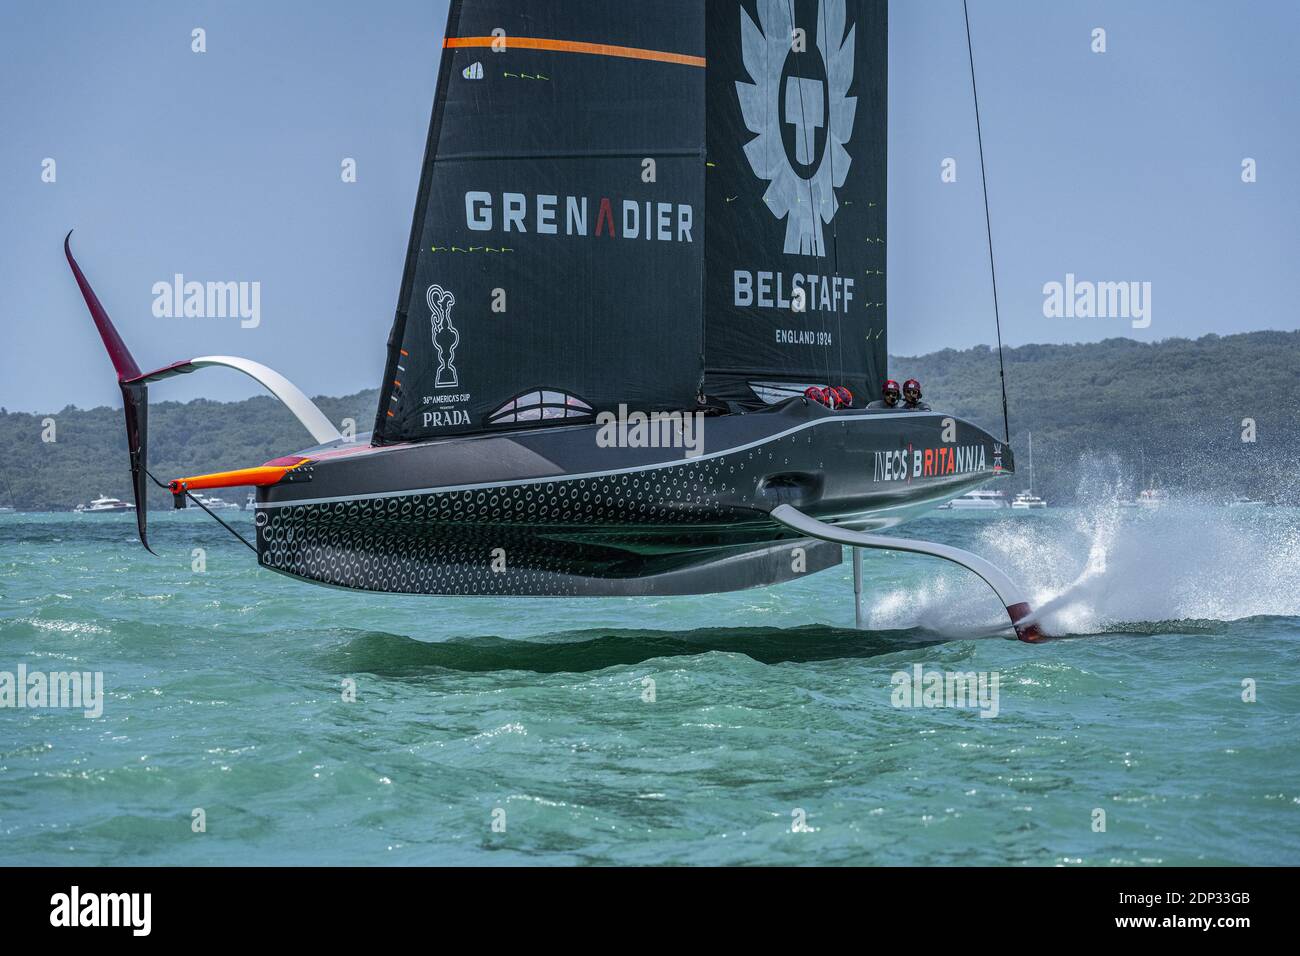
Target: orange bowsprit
271,473
577,46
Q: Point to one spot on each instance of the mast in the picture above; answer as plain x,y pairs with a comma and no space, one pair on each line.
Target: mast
1031,463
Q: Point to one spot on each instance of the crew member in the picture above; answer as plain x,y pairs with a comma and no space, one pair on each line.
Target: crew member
912,397
890,393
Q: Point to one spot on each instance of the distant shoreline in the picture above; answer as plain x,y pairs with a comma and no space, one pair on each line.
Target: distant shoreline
1118,411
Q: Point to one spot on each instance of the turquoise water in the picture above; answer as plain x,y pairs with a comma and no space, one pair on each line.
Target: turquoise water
223,691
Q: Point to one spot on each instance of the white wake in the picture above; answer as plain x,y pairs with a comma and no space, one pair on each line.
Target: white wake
1099,566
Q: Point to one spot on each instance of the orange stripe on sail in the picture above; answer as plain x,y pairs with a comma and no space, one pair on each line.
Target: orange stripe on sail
576,46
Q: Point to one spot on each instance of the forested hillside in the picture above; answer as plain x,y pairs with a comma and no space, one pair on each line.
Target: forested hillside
1178,405
88,456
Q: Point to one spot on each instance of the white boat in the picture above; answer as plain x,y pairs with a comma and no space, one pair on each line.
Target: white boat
213,503
251,502
1027,500
981,499
1150,498
105,505
6,510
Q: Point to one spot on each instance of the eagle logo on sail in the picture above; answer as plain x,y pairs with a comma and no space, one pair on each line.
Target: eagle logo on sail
445,336
799,106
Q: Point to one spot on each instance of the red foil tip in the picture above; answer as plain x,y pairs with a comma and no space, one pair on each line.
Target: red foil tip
1029,633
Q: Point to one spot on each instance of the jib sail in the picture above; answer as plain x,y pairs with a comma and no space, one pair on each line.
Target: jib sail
555,262
795,204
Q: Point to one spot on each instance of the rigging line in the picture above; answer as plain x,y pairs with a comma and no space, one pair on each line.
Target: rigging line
701,398
988,228
205,508
830,158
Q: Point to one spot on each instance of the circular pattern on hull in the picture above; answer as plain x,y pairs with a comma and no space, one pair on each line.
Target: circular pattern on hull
552,535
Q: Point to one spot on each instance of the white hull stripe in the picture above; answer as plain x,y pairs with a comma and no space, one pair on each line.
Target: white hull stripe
444,489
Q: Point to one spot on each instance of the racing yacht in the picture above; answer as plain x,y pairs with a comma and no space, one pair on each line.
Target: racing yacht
642,311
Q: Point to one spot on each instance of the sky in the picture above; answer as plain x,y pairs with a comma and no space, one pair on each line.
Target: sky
1115,166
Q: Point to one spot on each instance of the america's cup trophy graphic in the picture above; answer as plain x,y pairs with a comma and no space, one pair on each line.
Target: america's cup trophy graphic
445,336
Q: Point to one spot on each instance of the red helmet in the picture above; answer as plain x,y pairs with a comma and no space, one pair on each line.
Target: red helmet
890,386
913,383
819,395
843,396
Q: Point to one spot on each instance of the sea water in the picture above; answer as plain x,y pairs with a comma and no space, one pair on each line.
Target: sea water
248,718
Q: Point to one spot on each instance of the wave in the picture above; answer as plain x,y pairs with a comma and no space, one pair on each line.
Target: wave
393,655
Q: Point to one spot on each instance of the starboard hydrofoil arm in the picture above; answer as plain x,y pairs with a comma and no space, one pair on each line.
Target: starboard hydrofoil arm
1007,590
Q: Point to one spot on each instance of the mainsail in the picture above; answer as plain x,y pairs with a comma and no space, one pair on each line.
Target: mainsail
554,268
559,262
795,206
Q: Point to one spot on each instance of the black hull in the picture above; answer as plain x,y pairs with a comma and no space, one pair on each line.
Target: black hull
550,512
